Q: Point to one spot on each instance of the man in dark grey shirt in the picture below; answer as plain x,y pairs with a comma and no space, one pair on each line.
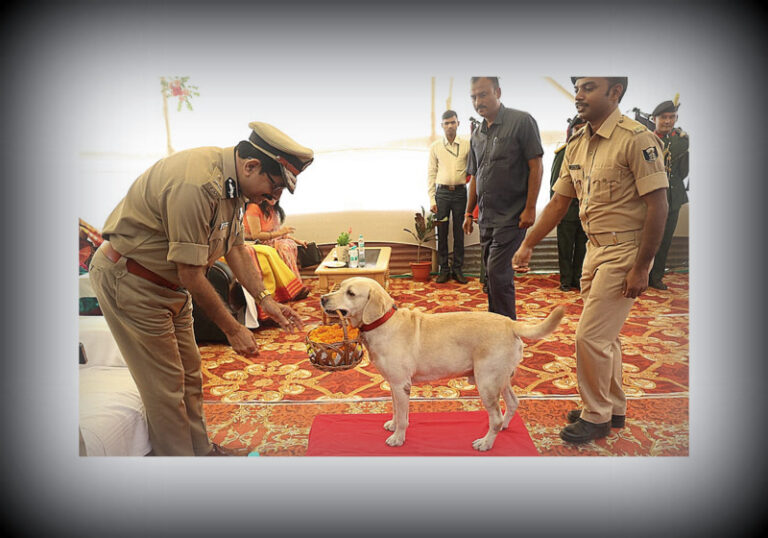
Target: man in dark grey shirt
506,168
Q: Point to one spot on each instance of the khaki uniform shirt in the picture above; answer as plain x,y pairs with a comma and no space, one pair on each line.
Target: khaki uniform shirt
187,208
447,164
608,171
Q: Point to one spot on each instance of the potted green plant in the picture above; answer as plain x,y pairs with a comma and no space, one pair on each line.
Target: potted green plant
424,230
342,246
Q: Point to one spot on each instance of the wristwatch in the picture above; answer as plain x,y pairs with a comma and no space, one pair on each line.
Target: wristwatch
261,296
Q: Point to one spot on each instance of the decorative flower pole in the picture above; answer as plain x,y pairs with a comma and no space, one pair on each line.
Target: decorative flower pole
175,87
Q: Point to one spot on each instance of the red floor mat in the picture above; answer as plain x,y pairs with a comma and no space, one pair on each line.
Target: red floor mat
428,434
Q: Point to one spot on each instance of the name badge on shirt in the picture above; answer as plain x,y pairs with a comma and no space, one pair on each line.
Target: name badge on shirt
574,167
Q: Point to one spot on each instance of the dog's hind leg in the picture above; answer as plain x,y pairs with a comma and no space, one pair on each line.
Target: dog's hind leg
490,390
510,398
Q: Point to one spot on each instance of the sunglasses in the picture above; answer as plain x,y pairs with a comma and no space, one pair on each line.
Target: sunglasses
287,170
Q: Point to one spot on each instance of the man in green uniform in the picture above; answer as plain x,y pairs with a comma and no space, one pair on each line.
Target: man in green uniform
177,218
675,142
571,240
614,166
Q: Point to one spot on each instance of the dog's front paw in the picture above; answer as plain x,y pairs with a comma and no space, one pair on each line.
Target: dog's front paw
395,440
482,444
389,425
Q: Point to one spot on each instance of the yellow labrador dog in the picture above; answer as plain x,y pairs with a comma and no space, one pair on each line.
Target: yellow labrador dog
409,346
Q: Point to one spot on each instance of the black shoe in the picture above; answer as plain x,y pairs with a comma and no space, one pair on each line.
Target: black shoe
576,286
458,277
485,288
659,285
563,287
442,278
617,421
582,431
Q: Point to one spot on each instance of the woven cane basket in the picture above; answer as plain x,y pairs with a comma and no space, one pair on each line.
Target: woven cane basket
334,356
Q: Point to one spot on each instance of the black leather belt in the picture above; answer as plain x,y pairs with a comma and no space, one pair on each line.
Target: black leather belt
451,187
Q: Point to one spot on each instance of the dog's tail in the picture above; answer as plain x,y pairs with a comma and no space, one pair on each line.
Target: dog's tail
541,329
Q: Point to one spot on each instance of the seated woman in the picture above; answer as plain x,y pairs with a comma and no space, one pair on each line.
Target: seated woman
278,278
264,223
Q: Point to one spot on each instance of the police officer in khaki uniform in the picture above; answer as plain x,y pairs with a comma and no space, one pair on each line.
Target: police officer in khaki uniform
614,166
178,217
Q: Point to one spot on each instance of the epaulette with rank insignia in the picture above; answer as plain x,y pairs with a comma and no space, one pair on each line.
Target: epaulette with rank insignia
631,125
213,188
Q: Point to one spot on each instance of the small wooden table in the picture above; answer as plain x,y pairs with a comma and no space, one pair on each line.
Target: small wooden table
379,271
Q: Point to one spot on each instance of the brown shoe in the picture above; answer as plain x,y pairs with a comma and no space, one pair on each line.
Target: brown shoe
459,277
217,450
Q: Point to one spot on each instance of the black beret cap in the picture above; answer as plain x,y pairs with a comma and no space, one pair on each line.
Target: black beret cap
666,106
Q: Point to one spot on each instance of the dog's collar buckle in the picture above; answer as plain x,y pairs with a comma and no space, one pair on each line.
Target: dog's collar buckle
380,321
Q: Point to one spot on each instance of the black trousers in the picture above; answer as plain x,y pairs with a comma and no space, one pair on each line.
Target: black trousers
571,249
450,204
499,245
660,261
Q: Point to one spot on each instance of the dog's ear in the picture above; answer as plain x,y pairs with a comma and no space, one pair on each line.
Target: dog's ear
378,303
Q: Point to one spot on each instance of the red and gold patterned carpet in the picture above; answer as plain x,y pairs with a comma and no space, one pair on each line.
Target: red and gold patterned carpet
655,426
280,392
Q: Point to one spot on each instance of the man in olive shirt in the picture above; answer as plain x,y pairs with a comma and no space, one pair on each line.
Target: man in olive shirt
571,240
675,142
177,218
505,175
614,166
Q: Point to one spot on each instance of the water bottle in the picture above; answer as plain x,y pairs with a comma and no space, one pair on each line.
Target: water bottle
353,256
360,251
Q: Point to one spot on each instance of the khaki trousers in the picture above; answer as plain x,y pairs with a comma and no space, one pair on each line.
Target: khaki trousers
153,329
598,349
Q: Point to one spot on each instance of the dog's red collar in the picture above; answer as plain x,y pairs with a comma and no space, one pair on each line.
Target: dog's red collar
380,321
